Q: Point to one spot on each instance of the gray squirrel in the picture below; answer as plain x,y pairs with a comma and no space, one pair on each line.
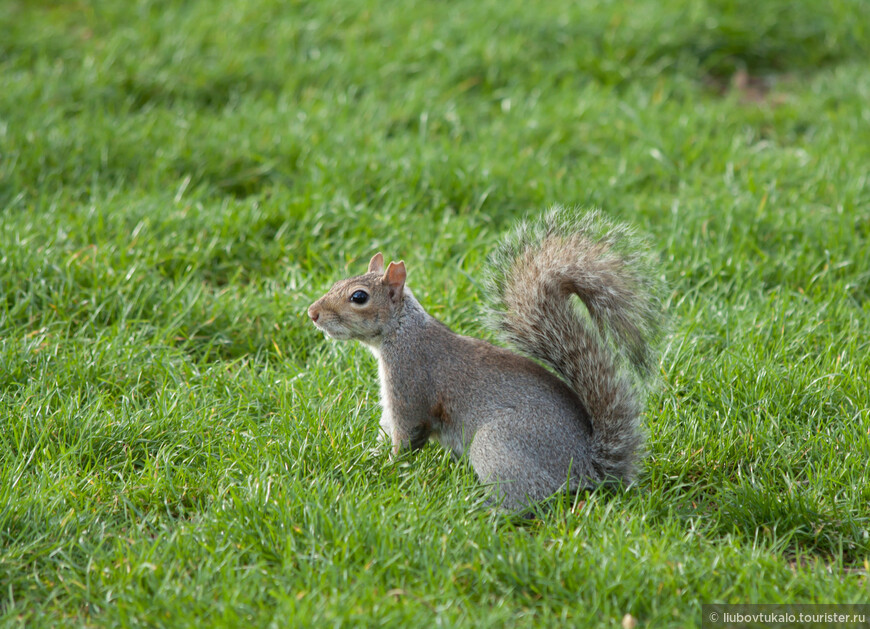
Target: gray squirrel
528,432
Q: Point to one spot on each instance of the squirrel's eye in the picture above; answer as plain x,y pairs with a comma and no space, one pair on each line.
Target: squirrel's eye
359,297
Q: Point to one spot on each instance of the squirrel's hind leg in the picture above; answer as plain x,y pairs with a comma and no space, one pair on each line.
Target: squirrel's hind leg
521,469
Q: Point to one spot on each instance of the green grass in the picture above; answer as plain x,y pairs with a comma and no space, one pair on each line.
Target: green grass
179,180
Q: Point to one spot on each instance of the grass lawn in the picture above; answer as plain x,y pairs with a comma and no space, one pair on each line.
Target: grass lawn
179,180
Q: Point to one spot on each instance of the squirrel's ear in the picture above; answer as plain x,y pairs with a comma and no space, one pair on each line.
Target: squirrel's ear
377,263
395,277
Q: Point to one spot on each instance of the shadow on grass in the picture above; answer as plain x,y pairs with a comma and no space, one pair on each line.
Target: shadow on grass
793,523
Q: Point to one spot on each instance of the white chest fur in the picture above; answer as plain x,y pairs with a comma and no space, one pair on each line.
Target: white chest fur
386,432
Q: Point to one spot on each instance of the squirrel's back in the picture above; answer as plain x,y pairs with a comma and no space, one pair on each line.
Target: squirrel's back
472,383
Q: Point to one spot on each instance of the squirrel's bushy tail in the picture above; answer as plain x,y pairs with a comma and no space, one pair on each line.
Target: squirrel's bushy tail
605,353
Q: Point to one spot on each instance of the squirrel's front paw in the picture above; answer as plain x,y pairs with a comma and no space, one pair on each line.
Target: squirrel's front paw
383,437
383,445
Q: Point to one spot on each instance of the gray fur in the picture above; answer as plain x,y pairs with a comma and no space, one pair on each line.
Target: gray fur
527,432
606,356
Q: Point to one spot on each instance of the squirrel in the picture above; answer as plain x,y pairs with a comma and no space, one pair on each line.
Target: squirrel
562,414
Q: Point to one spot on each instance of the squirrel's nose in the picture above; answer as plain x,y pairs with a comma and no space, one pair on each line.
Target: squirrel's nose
313,313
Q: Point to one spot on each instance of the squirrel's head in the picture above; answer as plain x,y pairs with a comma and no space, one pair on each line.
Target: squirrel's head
362,307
